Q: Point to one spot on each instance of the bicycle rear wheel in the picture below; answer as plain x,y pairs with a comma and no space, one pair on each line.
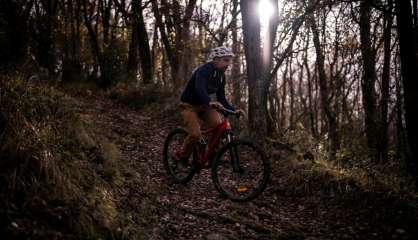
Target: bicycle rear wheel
240,171
176,171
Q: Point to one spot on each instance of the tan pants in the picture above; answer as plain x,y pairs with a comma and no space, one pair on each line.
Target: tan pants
191,115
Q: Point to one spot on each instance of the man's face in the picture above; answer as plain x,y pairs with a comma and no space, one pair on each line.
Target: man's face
222,62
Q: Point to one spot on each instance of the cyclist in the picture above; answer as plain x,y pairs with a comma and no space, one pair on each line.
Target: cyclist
204,92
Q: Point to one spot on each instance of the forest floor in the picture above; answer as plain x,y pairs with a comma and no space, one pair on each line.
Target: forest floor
158,210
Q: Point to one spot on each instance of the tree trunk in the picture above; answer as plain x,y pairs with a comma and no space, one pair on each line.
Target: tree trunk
252,42
144,49
44,33
105,7
132,65
409,65
282,118
170,56
182,38
369,77
15,26
324,92
310,89
104,80
383,138
236,92
402,151
175,51
291,96
235,72
71,65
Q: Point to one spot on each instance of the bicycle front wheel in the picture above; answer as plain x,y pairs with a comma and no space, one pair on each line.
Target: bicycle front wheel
241,171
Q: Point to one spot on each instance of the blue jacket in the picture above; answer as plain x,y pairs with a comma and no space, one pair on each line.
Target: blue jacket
205,80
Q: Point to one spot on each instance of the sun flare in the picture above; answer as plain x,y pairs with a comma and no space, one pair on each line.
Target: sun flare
265,10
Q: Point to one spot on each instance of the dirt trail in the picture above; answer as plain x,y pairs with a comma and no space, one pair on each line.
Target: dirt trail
194,211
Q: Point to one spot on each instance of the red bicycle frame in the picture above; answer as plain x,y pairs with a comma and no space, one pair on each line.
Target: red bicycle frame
217,133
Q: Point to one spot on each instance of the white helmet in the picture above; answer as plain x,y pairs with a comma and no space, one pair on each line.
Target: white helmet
220,52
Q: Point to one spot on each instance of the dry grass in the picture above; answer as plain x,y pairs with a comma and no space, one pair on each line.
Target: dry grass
55,172
303,161
351,179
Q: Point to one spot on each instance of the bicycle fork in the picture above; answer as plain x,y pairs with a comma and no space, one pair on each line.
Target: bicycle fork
233,153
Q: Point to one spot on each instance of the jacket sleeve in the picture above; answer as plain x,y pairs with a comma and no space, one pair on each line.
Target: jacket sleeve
220,96
201,81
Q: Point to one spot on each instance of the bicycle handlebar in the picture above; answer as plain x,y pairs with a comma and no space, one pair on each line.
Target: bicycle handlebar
227,112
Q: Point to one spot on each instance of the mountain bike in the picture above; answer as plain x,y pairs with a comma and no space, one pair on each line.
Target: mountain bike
239,168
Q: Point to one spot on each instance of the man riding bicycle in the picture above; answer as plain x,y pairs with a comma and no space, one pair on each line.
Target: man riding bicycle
203,94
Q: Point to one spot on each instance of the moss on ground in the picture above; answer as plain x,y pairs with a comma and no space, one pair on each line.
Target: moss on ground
56,174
